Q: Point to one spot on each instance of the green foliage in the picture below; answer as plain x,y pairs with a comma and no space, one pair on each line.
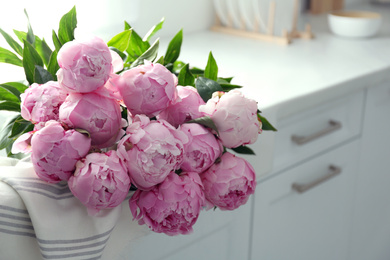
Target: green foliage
206,87
243,150
205,121
185,77
211,70
173,50
40,66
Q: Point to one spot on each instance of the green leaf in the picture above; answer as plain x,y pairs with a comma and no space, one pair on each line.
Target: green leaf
56,41
150,55
197,71
7,56
266,125
136,47
121,54
160,60
10,106
30,59
12,43
19,86
206,87
228,80
5,132
177,66
205,121
11,90
30,35
53,66
20,126
41,76
68,24
173,50
127,26
226,85
185,77
243,150
211,70
153,30
40,45
121,40
44,50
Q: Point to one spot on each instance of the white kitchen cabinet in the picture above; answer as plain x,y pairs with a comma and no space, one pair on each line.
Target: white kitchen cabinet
303,209
371,223
218,235
313,225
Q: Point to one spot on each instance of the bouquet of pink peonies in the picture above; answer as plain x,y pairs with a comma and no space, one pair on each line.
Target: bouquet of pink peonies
111,118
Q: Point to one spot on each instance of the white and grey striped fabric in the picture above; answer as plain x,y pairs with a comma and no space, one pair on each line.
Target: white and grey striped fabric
45,221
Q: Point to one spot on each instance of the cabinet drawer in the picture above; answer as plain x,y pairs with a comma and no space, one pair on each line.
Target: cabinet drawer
313,223
311,132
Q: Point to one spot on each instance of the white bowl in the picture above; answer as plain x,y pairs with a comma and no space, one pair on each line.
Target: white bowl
355,24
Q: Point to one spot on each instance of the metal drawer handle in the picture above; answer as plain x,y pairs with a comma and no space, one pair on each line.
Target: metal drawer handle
300,140
301,188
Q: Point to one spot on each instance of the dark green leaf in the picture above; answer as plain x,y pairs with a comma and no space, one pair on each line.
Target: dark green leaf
44,50
12,43
53,66
41,76
206,87
211,70
56,41
68,24
7,56
30,59
10,106
136,47
11,90
121,54
5,132
20,126
121,40
197,71
243,150
150,55
40,46
266,126
30,35
226,85
205,121
173,50
228,80
153,30
185,77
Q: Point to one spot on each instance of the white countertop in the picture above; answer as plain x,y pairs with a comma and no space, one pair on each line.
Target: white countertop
291,78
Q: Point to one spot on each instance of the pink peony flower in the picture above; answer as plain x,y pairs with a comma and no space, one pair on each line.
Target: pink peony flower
171,207
229,183
151,150
23,143
186,108
84,66
55,151
235,117
147,89
202,149
99,116
40,103
100,181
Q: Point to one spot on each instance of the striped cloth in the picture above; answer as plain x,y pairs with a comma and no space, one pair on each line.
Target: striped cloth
45,221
